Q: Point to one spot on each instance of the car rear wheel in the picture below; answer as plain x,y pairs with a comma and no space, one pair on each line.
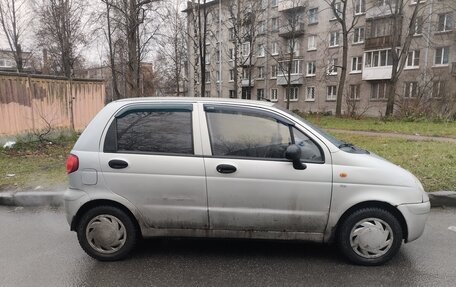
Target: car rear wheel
107,233
370,236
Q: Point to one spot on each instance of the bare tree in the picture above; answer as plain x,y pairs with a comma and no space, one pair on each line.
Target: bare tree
14,22
61,32
130,22
292,29
243,25
344,14
399,56
173,49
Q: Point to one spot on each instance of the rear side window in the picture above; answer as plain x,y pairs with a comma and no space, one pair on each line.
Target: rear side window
151,131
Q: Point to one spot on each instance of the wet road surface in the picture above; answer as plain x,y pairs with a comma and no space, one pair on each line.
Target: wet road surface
37,249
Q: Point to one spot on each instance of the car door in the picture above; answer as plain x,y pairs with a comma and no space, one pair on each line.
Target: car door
152,158
251,186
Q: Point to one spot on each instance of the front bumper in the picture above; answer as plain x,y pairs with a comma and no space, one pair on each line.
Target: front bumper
415,216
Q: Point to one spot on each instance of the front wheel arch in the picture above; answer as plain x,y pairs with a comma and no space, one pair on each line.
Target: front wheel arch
372,204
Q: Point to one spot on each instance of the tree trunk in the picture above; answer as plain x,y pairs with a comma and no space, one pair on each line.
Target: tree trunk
116,94
343,73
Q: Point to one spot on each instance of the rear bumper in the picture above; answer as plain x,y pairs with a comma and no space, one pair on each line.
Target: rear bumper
415,216
73,200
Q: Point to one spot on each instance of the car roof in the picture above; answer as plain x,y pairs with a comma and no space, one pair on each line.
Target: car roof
196,100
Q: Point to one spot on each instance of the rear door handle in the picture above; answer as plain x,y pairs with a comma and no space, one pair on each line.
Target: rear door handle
118,164
226,168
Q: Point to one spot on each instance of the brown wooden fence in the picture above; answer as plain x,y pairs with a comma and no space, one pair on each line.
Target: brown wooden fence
31,103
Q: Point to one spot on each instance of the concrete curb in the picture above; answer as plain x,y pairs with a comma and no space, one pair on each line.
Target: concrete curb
32,198
55,198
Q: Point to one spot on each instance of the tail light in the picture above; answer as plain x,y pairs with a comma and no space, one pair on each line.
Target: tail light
72,163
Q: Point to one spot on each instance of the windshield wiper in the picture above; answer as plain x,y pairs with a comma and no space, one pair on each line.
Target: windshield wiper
347,145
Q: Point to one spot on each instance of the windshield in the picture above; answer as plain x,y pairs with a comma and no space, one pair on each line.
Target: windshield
322,132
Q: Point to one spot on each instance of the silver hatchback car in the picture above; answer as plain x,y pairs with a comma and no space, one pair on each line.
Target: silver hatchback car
188,167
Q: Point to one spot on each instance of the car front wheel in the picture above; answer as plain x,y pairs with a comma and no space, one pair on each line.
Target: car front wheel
370,236
107,233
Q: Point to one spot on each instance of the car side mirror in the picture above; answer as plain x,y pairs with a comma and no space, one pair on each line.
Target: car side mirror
293,153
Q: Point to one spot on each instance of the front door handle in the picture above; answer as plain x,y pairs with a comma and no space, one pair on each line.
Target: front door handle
226,168
118,164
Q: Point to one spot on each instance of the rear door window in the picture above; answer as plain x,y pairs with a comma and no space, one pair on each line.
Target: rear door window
151,131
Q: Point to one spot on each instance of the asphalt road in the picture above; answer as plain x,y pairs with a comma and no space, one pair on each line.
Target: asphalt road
37,249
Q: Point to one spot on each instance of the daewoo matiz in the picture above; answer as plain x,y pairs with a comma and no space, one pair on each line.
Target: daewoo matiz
204,167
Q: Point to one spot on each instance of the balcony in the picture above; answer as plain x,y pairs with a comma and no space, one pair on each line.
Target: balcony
380,42
377,73
380,11
245,83
291,5
295,79
287,30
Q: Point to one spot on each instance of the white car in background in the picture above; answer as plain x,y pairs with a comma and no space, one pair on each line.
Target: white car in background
201,167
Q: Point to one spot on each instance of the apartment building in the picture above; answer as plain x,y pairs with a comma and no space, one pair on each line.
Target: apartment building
302,57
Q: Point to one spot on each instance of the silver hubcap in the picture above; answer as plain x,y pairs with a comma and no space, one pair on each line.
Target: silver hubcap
371,238
106,234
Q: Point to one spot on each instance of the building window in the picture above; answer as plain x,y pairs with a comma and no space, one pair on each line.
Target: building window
334,39
311,43
310,96
331,93
332,66
207,94
357,64
245,73
378,58
208,77
438,89
231,74
380,27
218,56
293,46
358,35
413,59
418,26
354,92
260,94
231,54
274,3
338,9
275,24
217,74
311,68
378,90
312,16
261,72
292,93
274,48
261,27
380,3
231,33
274,95
207,58
260,50
445,22
295,67
442,55
273,71
232,94
411,89
360,6
245,49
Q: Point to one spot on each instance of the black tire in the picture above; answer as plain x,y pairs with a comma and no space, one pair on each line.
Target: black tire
112,227
363,219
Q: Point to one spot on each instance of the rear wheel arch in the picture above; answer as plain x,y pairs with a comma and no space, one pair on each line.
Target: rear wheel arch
102,202
372,204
